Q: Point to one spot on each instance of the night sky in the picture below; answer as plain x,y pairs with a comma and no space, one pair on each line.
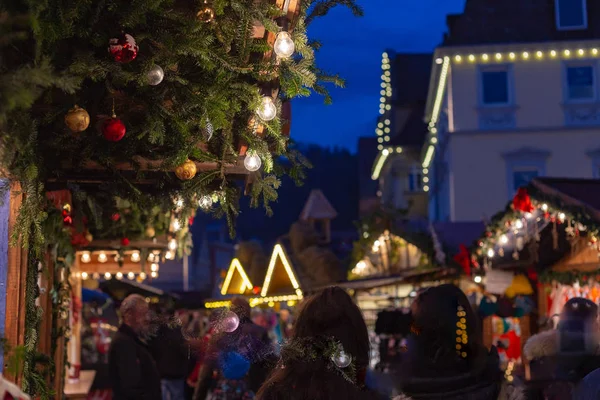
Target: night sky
352,47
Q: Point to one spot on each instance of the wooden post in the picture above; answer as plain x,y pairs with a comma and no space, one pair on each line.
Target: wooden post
14,332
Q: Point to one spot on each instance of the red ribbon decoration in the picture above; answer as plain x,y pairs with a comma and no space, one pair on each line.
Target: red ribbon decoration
522,201
463,258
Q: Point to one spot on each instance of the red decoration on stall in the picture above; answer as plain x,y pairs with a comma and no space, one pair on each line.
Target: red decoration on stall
125,241
256,290
522,201
115,217
532,275
191,221
123,49
463,258
113,129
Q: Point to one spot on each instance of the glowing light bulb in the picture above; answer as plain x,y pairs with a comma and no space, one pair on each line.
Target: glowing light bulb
172,245
154,267
562,217
485,57
135,256
178,203
267,109
490,253
102,257
457,58
539,54
525,55
511,56
107,275
471,57
169,255
553,53
154,274
86,257
498,56
84,275
119,275
252,162
361,265
545,207
594,51
142,275
205,202
528,215
567,53
131,276
519,224
581,52
477,279
284,45
438,61
176,225
503,239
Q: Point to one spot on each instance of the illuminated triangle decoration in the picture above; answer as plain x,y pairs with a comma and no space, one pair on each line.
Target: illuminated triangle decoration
236,280
290,276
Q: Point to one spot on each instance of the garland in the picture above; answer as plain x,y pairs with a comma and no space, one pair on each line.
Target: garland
568,277
328,349
502,220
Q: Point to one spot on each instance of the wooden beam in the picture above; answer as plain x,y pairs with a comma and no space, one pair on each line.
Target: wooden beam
14,331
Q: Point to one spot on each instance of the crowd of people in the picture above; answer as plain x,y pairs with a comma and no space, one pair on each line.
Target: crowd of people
325,354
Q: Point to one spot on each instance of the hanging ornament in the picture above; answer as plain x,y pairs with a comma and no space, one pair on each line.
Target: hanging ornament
522,201
66,215
252,162
229,322
206,13
284,45
115,217
267,110
340,358
205,202
113,129
186,171
123,49
89,237
208,131
125,241
155,76
150,232
77,119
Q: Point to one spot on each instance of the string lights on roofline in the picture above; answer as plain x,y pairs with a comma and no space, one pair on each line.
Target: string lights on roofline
527,55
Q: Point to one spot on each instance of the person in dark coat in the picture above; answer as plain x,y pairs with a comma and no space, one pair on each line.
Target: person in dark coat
133,372
171,353
247,349
445,357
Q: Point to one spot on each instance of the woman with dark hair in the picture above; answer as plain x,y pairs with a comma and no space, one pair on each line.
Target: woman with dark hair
445,357
559,359
327,355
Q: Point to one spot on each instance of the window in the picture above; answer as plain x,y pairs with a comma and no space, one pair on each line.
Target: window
522,176
494,87
580,82
571,14
415,181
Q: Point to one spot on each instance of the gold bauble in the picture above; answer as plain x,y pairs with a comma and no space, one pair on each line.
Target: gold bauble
89,237
186,171
150,232
77,119
206,14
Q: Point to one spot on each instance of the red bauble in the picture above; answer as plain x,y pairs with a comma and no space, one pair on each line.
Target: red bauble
191,221
115,217
522,201
256,290
113,129
123,49
125,241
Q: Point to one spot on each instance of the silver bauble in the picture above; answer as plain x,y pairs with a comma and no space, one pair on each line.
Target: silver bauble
155,75
341,359
205,202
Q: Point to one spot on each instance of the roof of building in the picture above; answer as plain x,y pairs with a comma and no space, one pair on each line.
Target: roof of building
515,21
317,207
414,131
410,77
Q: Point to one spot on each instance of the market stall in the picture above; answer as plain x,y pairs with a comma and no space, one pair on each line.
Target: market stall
535,255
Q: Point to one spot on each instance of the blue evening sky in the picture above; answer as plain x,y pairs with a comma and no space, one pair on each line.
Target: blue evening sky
352,47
